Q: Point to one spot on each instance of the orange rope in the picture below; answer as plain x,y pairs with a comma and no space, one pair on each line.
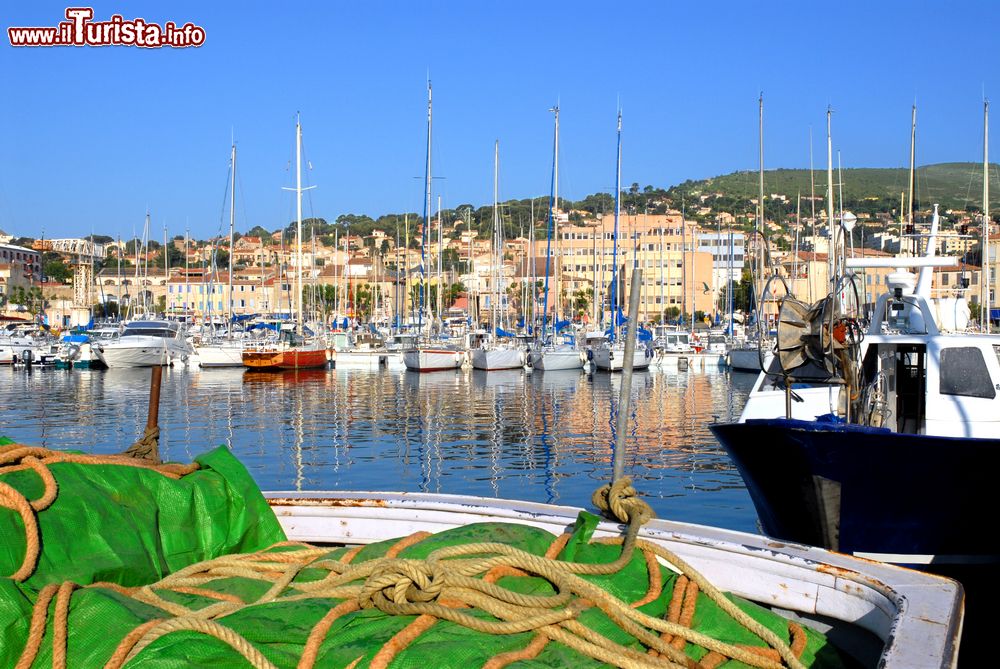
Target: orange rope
126,645
655,580
557,546
401,640
12,499
529,652
350,554
36,630
405,543
320,630
799,638
61,625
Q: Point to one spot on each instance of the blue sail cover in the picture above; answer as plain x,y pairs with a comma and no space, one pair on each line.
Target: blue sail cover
264,326
644,335
500,332
561,324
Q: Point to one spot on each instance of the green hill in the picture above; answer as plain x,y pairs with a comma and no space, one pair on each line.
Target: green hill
952,185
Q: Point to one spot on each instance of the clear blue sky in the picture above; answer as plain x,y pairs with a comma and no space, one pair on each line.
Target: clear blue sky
91,137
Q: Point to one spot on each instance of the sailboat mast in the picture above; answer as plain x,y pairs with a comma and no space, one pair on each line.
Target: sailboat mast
232,225
614,246
829,198
427,213
555,220
166,257
298,225
494,310
440,268
913,139
549,222
759,231
985,278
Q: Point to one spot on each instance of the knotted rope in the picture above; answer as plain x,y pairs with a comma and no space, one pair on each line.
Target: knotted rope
449,584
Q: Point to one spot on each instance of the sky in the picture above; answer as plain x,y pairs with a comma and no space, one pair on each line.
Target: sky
93,137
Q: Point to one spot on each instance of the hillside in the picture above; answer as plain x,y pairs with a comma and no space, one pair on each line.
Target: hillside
952,185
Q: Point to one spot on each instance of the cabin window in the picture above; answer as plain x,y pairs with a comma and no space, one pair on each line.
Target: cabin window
963,372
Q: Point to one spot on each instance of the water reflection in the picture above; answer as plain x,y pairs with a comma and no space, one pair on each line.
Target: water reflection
537,436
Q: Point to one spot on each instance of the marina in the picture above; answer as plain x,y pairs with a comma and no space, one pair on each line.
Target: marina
539,437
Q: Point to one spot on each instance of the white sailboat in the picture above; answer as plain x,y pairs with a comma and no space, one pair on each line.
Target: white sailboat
426,356
609,355
225,351
552,352
493,353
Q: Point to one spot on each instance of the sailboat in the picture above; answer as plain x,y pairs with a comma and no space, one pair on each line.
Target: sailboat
225,351
426,356
550,351
293,350
495,353
609,354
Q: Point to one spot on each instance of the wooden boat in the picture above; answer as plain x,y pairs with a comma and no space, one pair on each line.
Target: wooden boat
308,356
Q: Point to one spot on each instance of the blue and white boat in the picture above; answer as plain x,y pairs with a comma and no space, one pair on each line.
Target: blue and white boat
880,441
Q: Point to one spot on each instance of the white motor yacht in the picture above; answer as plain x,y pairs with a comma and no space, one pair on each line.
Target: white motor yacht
146,343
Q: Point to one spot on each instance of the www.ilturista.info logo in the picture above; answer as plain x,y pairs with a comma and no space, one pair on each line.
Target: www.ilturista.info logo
80,30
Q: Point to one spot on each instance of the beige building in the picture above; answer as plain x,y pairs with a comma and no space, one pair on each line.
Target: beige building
676,273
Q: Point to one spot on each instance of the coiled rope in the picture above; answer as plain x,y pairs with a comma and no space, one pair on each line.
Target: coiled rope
446,585
19,457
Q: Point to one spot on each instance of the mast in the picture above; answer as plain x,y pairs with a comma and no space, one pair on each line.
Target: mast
232,225
829,198
549,224
913,139
187,267
494,309
614,247
663,298
427,213
440,269
555,222
812,203
985,272
298,225
760,193
166,260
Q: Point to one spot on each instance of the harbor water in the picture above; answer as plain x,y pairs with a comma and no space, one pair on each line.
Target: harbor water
544,437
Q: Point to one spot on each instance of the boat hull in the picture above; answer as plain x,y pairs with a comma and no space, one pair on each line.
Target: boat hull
432,360
220,355
612,359
491,359
142,352
747,359
359,359
550,360
278,359
903,498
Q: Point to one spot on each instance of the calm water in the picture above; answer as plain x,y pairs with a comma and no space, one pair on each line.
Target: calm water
540,437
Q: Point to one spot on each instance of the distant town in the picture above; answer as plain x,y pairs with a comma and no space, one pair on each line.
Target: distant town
692,257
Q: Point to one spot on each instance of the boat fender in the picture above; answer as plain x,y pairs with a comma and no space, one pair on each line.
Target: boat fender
590,354
26,356
611,354
73,353
649,353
